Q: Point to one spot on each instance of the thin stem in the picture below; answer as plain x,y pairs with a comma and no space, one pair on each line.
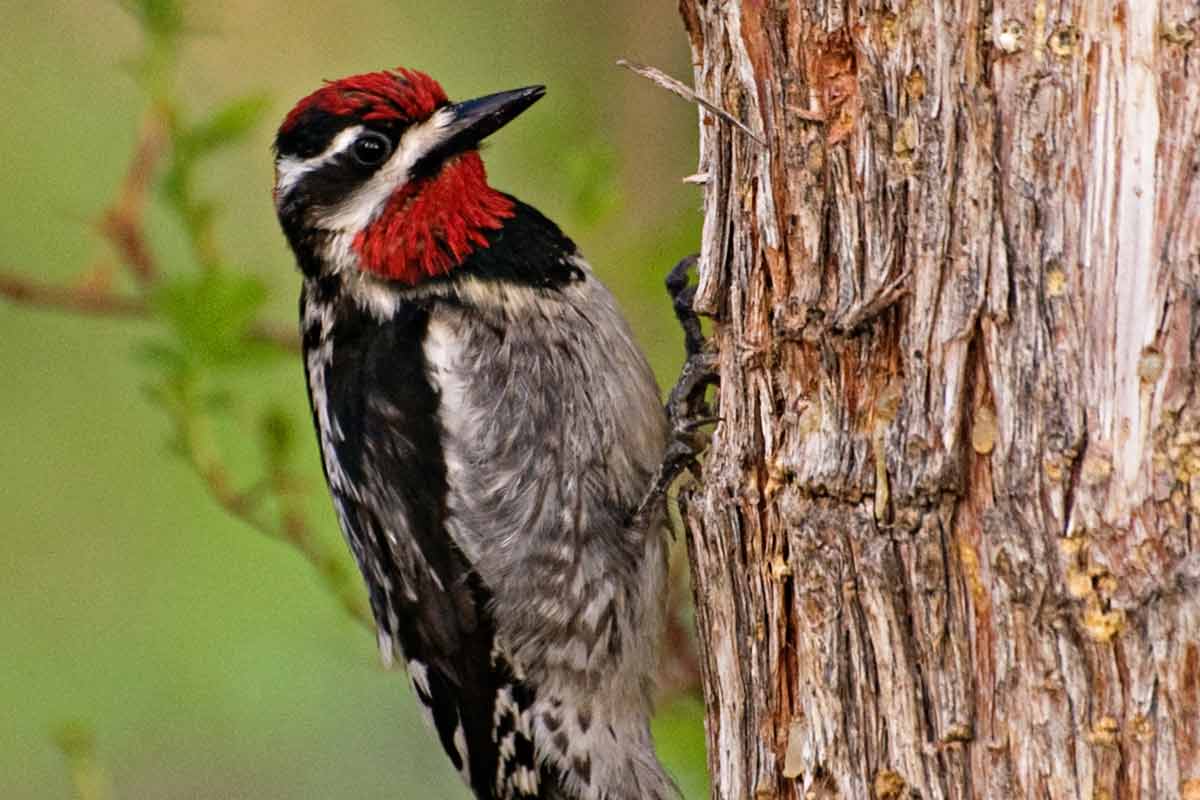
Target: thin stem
102,303
292,527
80,300
122,222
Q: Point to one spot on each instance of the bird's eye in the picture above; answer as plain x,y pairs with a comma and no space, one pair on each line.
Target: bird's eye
372,149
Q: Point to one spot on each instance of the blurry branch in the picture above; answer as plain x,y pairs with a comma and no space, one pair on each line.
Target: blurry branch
680,664
198,446
677,87
121,223
88,776
87,300
266,333
207,320
76,299
277,436
92,301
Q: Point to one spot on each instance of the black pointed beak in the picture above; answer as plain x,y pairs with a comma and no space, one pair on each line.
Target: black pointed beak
474,120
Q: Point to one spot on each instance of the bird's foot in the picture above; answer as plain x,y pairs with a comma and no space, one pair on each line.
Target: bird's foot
688,411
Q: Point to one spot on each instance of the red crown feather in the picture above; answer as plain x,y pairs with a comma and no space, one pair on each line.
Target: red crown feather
393,94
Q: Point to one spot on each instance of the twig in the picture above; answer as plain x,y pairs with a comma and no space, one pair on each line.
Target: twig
297,532
859,314
121,222
293,530
688,93
83,300
97,302
272,506
201,454
681,664
283,338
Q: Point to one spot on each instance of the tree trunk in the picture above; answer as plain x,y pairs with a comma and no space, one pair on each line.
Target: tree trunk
944,542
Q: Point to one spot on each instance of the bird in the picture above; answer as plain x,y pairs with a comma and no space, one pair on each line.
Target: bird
488,427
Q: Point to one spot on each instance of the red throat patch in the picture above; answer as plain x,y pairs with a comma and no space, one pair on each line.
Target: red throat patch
432,224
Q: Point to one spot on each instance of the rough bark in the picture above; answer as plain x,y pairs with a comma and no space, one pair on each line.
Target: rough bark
944,544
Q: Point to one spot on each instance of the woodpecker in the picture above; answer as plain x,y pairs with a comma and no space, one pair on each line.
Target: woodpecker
488,428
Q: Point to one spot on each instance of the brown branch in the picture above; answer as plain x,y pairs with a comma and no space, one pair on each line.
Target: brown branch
79,300
271,507
677,87
285,338
201,454
102,303
297,532
680,668
293,530
121,222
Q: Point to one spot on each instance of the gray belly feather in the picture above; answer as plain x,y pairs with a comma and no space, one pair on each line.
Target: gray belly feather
552,428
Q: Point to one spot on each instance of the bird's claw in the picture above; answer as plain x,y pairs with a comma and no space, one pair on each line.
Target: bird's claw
687,409
683,294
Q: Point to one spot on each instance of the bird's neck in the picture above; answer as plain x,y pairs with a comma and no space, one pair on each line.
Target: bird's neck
433,223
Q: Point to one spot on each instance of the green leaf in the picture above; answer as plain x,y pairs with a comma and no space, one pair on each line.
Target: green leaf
210,315
175,180
162,355
277,430
160,19
75,739
229,124
162,25
218,401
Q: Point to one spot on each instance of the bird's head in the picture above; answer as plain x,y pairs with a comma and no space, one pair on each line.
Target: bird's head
381,174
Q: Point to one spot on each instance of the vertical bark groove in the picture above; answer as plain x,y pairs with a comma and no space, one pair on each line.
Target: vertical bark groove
944,543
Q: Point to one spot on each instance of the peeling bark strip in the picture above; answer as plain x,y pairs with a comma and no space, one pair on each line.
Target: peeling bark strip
945,543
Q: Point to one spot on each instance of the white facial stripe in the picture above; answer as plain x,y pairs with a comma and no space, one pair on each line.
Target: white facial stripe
290,169
364,204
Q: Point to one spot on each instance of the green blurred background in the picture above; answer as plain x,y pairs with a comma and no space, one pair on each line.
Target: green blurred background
207,660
